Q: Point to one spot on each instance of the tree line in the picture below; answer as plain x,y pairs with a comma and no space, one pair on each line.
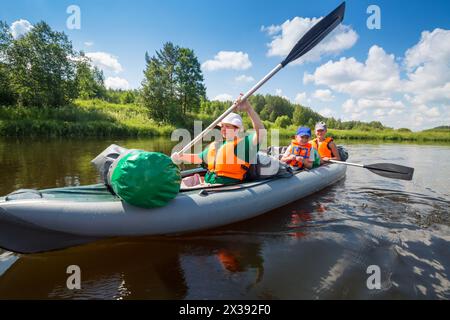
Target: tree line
42,69
282,113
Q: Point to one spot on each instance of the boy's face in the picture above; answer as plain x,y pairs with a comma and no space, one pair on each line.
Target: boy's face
302,139
321,133
229,132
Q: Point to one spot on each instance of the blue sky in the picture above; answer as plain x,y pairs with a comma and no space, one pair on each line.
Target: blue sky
397,74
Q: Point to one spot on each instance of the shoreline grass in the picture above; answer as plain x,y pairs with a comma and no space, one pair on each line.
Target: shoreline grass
380,135
97,118
83,118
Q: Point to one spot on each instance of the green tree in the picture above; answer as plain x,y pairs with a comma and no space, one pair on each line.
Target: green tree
6,94
42,67
298,117
189,81
258,102
276,106
155,92
282,122
213,108
90,80
173,84
128,97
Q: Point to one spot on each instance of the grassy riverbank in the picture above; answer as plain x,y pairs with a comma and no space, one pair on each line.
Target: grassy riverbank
83,118
97,118
382,135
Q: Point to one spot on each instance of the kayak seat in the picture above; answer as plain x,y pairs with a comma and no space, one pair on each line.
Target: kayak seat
24,194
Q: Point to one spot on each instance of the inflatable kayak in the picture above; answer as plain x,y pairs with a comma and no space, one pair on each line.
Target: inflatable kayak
36,221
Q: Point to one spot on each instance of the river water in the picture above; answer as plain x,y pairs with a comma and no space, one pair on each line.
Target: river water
327,246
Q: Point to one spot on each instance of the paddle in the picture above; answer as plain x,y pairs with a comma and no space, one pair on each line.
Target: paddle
388,170
319,31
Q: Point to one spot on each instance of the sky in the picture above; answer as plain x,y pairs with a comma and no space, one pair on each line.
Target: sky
388,63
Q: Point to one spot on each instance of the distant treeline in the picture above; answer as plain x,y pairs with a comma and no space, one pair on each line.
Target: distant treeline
277,112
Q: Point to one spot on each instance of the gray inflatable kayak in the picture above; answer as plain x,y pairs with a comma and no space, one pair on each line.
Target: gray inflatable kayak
36,221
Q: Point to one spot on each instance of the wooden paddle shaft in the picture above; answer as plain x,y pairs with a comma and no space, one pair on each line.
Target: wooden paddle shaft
230,109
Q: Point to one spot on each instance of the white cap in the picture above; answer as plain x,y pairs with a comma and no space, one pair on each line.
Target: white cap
233,119
321,126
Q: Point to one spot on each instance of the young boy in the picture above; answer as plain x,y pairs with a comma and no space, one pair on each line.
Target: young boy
326,147
299,154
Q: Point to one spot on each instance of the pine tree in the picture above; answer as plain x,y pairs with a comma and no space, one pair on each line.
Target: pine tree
173,84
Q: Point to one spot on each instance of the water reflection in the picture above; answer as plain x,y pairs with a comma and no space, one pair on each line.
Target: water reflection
121,269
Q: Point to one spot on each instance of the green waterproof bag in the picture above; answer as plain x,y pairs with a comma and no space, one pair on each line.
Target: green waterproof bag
146,179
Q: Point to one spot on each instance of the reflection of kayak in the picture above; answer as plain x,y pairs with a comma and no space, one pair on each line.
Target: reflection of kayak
58,218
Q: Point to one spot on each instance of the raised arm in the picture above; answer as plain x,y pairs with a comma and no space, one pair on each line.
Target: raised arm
261,133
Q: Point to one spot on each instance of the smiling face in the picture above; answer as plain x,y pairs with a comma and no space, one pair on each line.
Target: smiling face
321,134
302,140
228,131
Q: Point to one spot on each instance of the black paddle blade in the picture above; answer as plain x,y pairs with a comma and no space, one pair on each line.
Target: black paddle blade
390,170
316,34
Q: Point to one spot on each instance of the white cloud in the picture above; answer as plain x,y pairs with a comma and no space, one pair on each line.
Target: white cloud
228,60
244,78
279,92
352,109
286,35
429,68
433,46
378,76
223,97
374,87
105,61
439,94
20,28
271,30
379,113
428,112
372,108
301,98
327,112
323,95
428,85
116,83
89,43
360,105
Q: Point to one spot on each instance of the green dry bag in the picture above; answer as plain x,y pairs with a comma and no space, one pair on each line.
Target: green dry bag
145,179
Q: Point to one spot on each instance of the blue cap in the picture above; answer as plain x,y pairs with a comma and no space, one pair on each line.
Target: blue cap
303,131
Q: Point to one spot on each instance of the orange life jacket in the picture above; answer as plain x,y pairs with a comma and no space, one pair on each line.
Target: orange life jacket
224,162
302,151
323,147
